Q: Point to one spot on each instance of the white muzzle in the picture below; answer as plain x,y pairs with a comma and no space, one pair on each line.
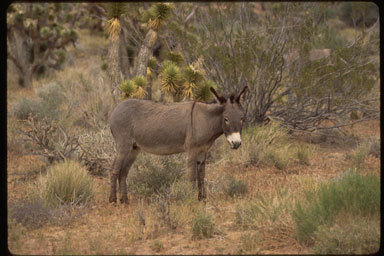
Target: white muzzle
234,140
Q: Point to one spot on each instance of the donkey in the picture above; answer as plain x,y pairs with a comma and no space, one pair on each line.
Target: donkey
171,128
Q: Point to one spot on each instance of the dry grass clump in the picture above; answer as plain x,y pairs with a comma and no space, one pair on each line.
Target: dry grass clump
66,183
250,242
374,147
268,144
202,225
265,209
233,187
154,174
304,154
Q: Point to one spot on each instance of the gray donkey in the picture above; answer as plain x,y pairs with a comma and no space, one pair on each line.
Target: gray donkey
165,129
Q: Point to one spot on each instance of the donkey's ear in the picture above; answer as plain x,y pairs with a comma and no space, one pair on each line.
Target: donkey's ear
241,93
218,98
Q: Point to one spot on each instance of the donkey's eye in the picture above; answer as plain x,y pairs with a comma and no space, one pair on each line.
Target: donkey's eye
226,120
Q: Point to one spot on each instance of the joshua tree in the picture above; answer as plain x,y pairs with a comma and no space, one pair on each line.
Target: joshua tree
37,34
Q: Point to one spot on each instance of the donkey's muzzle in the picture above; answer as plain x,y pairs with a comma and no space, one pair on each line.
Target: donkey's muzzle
236,145
234,140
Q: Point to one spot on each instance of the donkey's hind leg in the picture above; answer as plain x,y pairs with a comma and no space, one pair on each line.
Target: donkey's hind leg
115,173
201,176
118,163
128,161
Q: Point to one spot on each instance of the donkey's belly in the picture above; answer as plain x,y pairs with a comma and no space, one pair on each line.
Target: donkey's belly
161,149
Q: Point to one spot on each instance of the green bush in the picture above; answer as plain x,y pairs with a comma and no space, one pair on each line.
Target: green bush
151,174
47,104
25,107
360,236
66,183
233,187
352,193
202,226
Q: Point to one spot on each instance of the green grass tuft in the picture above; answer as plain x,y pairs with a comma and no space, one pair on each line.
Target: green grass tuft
352,193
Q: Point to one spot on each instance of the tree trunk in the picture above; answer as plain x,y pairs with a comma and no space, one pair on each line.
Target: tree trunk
114,70
144,54
27,78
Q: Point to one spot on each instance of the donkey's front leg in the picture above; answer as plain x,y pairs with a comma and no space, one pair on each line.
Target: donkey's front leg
192,168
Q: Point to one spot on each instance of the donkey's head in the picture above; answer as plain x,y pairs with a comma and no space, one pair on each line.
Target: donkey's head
233,116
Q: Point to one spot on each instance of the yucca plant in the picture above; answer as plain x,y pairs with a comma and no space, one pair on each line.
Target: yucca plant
176,57
153,63
192,79
158,14
134,88
170,77
114,12
203,93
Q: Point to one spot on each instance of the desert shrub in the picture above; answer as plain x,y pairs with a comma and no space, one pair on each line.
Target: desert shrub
304,154
359,155
181,191
279,157
32,213
167,212
157,246
266,208
233,187
374,147
257,140
250,242
25,107
47,104
245,214
202,226
151,174
97,150
359,236
352,193
66,182
16,231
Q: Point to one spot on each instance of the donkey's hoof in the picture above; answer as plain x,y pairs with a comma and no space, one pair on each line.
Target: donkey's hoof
112,199
124,200
202,197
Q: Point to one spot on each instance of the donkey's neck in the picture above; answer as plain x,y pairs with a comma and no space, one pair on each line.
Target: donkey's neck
207,123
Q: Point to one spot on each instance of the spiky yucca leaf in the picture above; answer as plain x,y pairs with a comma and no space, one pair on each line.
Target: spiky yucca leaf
176,57
115,10
127,88
140,93
140,81
134,88
203,92
152,63
165,64
113,28
158,14
170,78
